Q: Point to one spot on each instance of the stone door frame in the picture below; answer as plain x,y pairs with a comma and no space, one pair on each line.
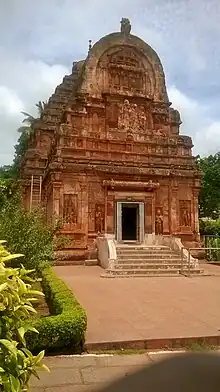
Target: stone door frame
118,226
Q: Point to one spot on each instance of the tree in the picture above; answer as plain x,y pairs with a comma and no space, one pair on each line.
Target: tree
26,131
10,173
7,183
29,120
210,191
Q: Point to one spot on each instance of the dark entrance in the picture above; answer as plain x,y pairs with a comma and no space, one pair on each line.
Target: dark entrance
129,222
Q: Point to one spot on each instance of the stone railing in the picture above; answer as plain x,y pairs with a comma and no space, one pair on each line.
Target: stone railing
173,243
106,250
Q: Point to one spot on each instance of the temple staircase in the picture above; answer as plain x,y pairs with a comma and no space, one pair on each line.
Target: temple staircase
142,261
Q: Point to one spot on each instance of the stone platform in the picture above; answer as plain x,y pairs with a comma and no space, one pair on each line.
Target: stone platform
128,310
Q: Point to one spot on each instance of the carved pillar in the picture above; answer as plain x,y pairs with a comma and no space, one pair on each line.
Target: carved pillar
148,215
196,211
153,212
106,203
141,221
111,214
56,183
84,206
173,208
56,199
119,222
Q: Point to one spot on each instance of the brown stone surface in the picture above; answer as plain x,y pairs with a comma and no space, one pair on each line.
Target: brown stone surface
145,308
106,370
83,373
111,120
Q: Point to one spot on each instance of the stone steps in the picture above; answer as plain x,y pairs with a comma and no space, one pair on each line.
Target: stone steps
146,254
143,261
143,250
151,266
149,272
147,258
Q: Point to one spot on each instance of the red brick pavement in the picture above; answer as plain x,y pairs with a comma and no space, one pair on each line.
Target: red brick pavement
145,308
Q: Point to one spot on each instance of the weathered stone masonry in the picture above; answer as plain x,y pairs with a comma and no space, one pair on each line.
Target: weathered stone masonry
109,136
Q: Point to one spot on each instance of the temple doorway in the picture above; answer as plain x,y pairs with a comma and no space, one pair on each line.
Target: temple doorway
130,221
130,226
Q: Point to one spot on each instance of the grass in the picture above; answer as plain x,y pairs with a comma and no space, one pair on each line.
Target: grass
201,347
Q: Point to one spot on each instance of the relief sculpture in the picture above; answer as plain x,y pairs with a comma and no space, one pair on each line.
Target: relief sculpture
131,117
70,208
185,213
99,218
126,72
159,221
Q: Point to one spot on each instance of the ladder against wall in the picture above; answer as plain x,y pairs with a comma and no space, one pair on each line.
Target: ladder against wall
35,191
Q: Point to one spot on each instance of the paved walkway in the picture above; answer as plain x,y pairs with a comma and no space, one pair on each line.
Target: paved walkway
93,373
82,373
145,308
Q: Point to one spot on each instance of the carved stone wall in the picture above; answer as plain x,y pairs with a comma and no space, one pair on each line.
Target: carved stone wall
70,208
108,125
185,213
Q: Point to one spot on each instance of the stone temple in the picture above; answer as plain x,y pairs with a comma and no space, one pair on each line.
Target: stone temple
107,157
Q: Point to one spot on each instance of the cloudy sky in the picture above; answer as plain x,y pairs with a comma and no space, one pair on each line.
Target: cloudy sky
40,39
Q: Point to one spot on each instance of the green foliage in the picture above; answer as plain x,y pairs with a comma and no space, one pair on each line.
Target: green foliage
209,226
26,232
17,364
20,149
26,132
66,328
210,192
61,241
212,242
213,254
7,184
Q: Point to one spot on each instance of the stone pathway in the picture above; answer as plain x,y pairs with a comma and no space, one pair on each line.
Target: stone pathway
145,308
88,373
136,373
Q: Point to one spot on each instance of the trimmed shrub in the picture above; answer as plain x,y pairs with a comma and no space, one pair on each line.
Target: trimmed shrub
65,329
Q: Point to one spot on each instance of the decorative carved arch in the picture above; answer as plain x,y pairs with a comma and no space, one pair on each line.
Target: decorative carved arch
122,69
115,42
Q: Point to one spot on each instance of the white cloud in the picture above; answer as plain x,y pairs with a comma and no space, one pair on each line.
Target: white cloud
10,104
197,122
27,83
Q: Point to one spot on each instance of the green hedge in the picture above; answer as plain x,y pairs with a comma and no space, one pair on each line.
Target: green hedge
65,329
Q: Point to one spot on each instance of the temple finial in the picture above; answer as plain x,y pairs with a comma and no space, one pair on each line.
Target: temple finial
125,26
90,45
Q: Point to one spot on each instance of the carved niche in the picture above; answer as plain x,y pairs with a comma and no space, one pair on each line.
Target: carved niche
126,72
99,218
159,221
112,111
70,208
132,117
185,213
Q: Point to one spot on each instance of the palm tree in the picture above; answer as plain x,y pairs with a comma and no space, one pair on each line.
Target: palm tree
26,131
29,120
